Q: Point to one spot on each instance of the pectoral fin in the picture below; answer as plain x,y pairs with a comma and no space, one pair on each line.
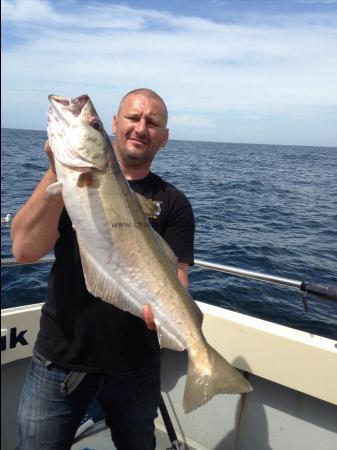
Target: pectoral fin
54,188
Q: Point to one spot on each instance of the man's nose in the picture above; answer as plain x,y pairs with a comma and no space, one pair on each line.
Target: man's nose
140,127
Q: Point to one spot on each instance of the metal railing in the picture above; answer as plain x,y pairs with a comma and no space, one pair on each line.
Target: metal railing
247,273
328,291
7,262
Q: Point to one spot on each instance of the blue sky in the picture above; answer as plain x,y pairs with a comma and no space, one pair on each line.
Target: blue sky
229,71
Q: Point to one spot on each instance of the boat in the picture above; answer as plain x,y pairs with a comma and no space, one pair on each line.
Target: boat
293,405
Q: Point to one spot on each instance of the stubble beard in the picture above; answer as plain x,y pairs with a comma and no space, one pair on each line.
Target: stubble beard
129,158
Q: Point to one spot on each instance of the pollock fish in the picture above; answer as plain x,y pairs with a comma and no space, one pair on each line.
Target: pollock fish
130,265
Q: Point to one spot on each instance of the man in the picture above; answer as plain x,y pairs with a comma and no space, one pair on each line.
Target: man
87,348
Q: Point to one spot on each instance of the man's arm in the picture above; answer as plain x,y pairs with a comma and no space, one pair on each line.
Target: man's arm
34,228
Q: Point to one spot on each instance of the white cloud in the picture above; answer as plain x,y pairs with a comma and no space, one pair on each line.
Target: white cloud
99,16
27,11
284,65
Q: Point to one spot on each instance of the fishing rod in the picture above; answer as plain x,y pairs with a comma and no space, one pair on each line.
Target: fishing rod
176,445
89,420
326,291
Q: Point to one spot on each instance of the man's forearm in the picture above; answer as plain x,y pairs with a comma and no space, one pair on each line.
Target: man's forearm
34,228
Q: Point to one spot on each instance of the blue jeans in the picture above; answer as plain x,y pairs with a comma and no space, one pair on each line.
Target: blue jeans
48,419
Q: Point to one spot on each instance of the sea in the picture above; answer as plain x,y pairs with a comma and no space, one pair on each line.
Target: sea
266,208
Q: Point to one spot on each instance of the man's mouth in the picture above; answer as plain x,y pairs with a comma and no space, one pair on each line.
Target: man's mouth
138,140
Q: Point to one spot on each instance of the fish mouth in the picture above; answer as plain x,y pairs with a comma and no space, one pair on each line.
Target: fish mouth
74,106
66,113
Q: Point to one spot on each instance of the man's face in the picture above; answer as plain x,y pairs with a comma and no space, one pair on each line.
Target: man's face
140,130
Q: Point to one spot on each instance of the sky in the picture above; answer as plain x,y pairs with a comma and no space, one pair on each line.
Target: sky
229,70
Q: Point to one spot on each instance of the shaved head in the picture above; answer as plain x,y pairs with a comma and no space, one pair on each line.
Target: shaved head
146,93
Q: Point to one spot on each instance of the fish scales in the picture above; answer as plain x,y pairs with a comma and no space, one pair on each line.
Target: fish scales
124,261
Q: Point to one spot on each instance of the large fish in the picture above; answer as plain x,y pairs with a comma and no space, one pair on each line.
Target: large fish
125,262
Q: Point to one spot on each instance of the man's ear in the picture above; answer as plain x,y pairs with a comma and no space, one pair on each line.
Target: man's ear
114,124
165,139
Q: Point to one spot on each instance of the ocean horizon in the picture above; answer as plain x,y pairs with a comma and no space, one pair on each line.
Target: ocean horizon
208,141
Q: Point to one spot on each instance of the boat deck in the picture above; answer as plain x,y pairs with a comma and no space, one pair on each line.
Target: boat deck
292,406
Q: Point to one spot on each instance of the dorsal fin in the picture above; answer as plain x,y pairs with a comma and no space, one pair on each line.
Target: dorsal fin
167,250
174,261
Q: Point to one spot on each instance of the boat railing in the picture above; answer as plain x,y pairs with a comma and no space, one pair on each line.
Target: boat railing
327,291
10,261
247,273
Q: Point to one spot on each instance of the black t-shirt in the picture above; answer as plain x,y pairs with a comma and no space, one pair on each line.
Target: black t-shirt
81,332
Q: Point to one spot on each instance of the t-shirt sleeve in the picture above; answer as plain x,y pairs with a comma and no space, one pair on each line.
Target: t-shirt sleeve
64,224
179,232
65,229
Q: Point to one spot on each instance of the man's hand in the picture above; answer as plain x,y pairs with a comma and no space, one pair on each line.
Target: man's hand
50,155
149,317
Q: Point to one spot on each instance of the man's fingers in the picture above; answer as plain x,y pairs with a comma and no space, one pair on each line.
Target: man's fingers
149,317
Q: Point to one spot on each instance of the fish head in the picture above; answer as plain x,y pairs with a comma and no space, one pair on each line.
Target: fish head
76,134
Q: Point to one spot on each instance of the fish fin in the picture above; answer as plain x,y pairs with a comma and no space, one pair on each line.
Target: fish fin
87,179
111,290
209,375
54,188
118,293
151,208
168,340
174,261
167,250
198,313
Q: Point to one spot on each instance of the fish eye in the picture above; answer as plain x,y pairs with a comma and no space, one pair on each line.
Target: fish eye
97,125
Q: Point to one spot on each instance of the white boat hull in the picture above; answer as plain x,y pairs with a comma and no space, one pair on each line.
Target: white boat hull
292,407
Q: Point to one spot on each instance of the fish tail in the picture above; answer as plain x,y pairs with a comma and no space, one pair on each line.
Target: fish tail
209,374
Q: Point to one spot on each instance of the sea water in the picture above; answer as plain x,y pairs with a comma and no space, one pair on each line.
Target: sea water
266,208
